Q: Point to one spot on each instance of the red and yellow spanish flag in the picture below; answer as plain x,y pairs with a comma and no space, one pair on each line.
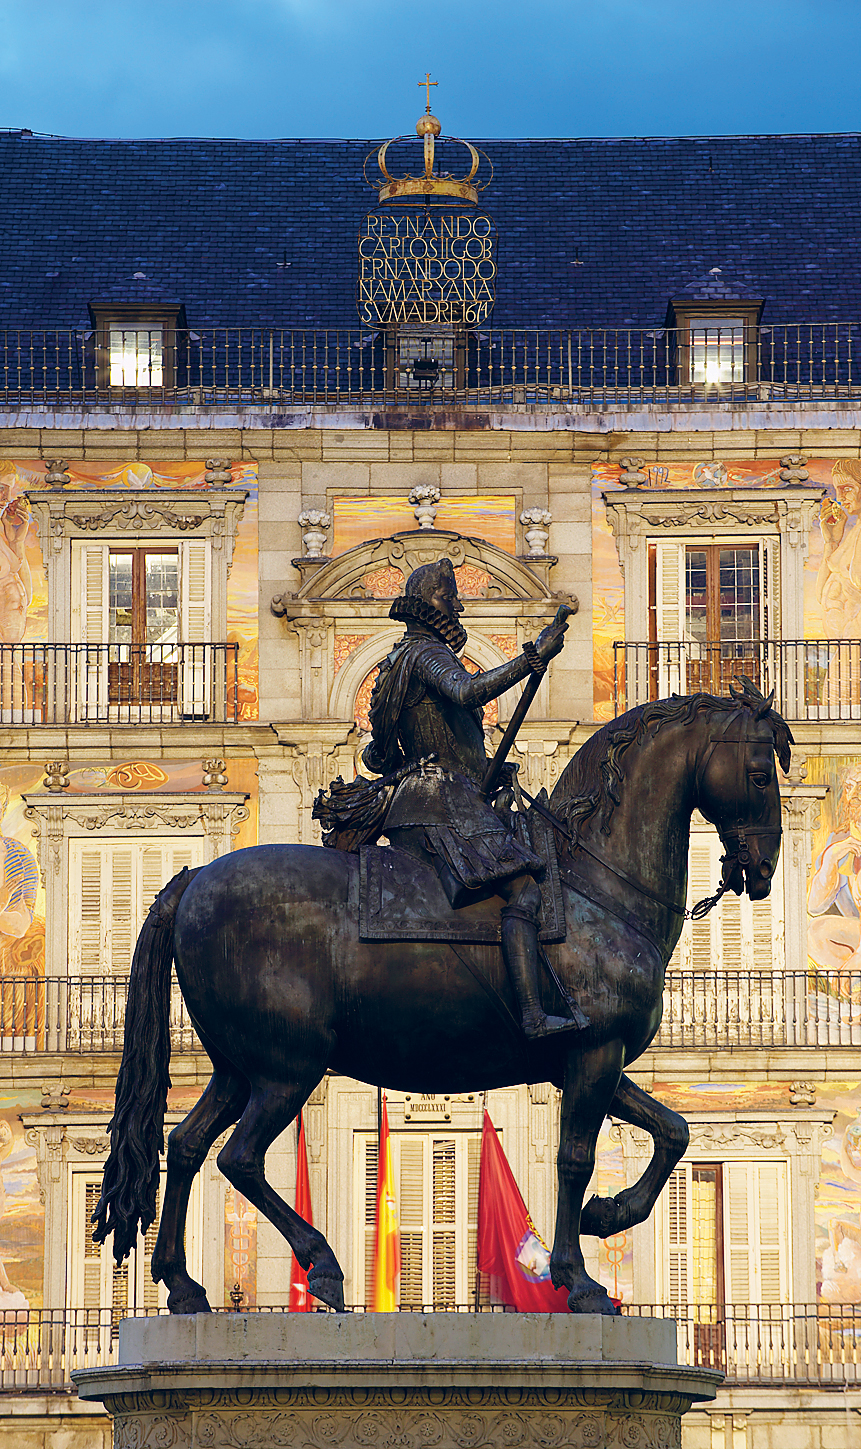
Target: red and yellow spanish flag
387,1236
300,1298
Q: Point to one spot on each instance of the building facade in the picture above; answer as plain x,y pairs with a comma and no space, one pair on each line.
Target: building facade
627,374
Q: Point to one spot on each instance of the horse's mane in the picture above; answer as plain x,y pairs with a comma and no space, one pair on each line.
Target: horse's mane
589,785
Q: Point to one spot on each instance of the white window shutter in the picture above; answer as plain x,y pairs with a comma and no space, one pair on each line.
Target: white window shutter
195,601
444,1210
112,885
670,586
677,1236
769,573
123,908
367,1196
90,627
85,908
411,1213
670,615
756,1235
739,934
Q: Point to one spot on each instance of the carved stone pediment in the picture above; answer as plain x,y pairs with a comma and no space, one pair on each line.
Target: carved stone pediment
86,511
342,579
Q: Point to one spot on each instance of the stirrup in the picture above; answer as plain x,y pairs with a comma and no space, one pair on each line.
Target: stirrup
537,1025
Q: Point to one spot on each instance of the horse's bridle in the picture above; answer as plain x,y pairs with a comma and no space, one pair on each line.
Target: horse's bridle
735,830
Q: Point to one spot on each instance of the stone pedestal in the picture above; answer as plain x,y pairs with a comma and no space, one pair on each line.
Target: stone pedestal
396,1381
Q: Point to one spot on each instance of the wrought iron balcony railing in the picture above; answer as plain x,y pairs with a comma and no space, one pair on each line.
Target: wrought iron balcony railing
761,1009
80,1014
768,1343
488,366
118,683
743,1008
813,679
760,1345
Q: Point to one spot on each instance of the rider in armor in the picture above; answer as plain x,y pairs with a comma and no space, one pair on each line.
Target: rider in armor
426,703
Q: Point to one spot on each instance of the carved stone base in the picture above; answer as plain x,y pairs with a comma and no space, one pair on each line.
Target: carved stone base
397,1381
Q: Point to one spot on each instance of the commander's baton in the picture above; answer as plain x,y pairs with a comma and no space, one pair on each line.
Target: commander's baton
491,774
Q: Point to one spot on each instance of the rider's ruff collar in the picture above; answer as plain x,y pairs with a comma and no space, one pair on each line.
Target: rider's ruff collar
410,608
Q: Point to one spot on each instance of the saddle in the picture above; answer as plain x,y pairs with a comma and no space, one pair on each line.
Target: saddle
401,898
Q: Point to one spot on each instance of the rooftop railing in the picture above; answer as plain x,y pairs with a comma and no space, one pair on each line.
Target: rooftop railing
85,1014
251,366
761,1345
813,679
164,683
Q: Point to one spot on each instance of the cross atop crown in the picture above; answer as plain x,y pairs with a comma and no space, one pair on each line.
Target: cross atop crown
427,83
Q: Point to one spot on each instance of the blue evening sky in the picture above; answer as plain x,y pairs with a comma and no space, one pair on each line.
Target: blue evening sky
260,68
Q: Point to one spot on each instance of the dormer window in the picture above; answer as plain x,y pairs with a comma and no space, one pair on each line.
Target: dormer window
139,346
714,335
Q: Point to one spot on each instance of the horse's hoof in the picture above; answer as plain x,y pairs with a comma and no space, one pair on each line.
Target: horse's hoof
188,1303
600,1217
328,1288
592,1300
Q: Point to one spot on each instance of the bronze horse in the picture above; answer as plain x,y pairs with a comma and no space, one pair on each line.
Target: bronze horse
280,988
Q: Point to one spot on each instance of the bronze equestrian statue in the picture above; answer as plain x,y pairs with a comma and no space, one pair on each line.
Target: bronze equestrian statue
294,960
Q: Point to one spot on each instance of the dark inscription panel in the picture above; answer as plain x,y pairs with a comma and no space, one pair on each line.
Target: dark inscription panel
425,267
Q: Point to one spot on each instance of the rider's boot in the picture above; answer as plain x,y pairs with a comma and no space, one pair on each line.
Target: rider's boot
520,949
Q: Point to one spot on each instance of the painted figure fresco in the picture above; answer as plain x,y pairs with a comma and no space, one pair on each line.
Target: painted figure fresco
834,891
838,581
838,1198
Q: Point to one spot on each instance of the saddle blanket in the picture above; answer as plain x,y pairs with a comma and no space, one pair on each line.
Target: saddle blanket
401,898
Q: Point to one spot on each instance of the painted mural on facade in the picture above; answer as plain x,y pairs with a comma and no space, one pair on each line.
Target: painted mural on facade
358,519
22,1215
23,596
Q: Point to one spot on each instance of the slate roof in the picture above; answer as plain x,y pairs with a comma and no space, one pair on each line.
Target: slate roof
209,221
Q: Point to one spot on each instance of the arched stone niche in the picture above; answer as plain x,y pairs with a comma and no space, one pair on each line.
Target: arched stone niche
334,600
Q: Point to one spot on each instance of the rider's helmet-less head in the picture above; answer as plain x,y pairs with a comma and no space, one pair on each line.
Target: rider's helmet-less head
415,605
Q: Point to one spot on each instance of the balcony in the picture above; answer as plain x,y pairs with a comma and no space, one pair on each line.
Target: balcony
761,1009
347,366
815,1345
702,1011
62,684
84,1015
813,679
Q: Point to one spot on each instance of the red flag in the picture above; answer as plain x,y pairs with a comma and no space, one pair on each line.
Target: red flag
387,1238
300,1298
510,1251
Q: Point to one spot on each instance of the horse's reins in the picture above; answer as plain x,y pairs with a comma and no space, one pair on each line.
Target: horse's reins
740,856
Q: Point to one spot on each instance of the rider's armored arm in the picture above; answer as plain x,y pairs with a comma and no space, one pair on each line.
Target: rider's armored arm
436,669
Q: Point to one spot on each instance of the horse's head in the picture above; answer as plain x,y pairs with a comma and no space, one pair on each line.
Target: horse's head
737,788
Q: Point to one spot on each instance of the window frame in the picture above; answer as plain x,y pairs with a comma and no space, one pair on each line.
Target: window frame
684,314
140,317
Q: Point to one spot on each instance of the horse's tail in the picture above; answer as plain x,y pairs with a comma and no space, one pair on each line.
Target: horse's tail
130,1181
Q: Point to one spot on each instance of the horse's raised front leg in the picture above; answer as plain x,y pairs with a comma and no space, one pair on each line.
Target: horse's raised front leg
219,1107
591,1078
604,1216
272,1107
